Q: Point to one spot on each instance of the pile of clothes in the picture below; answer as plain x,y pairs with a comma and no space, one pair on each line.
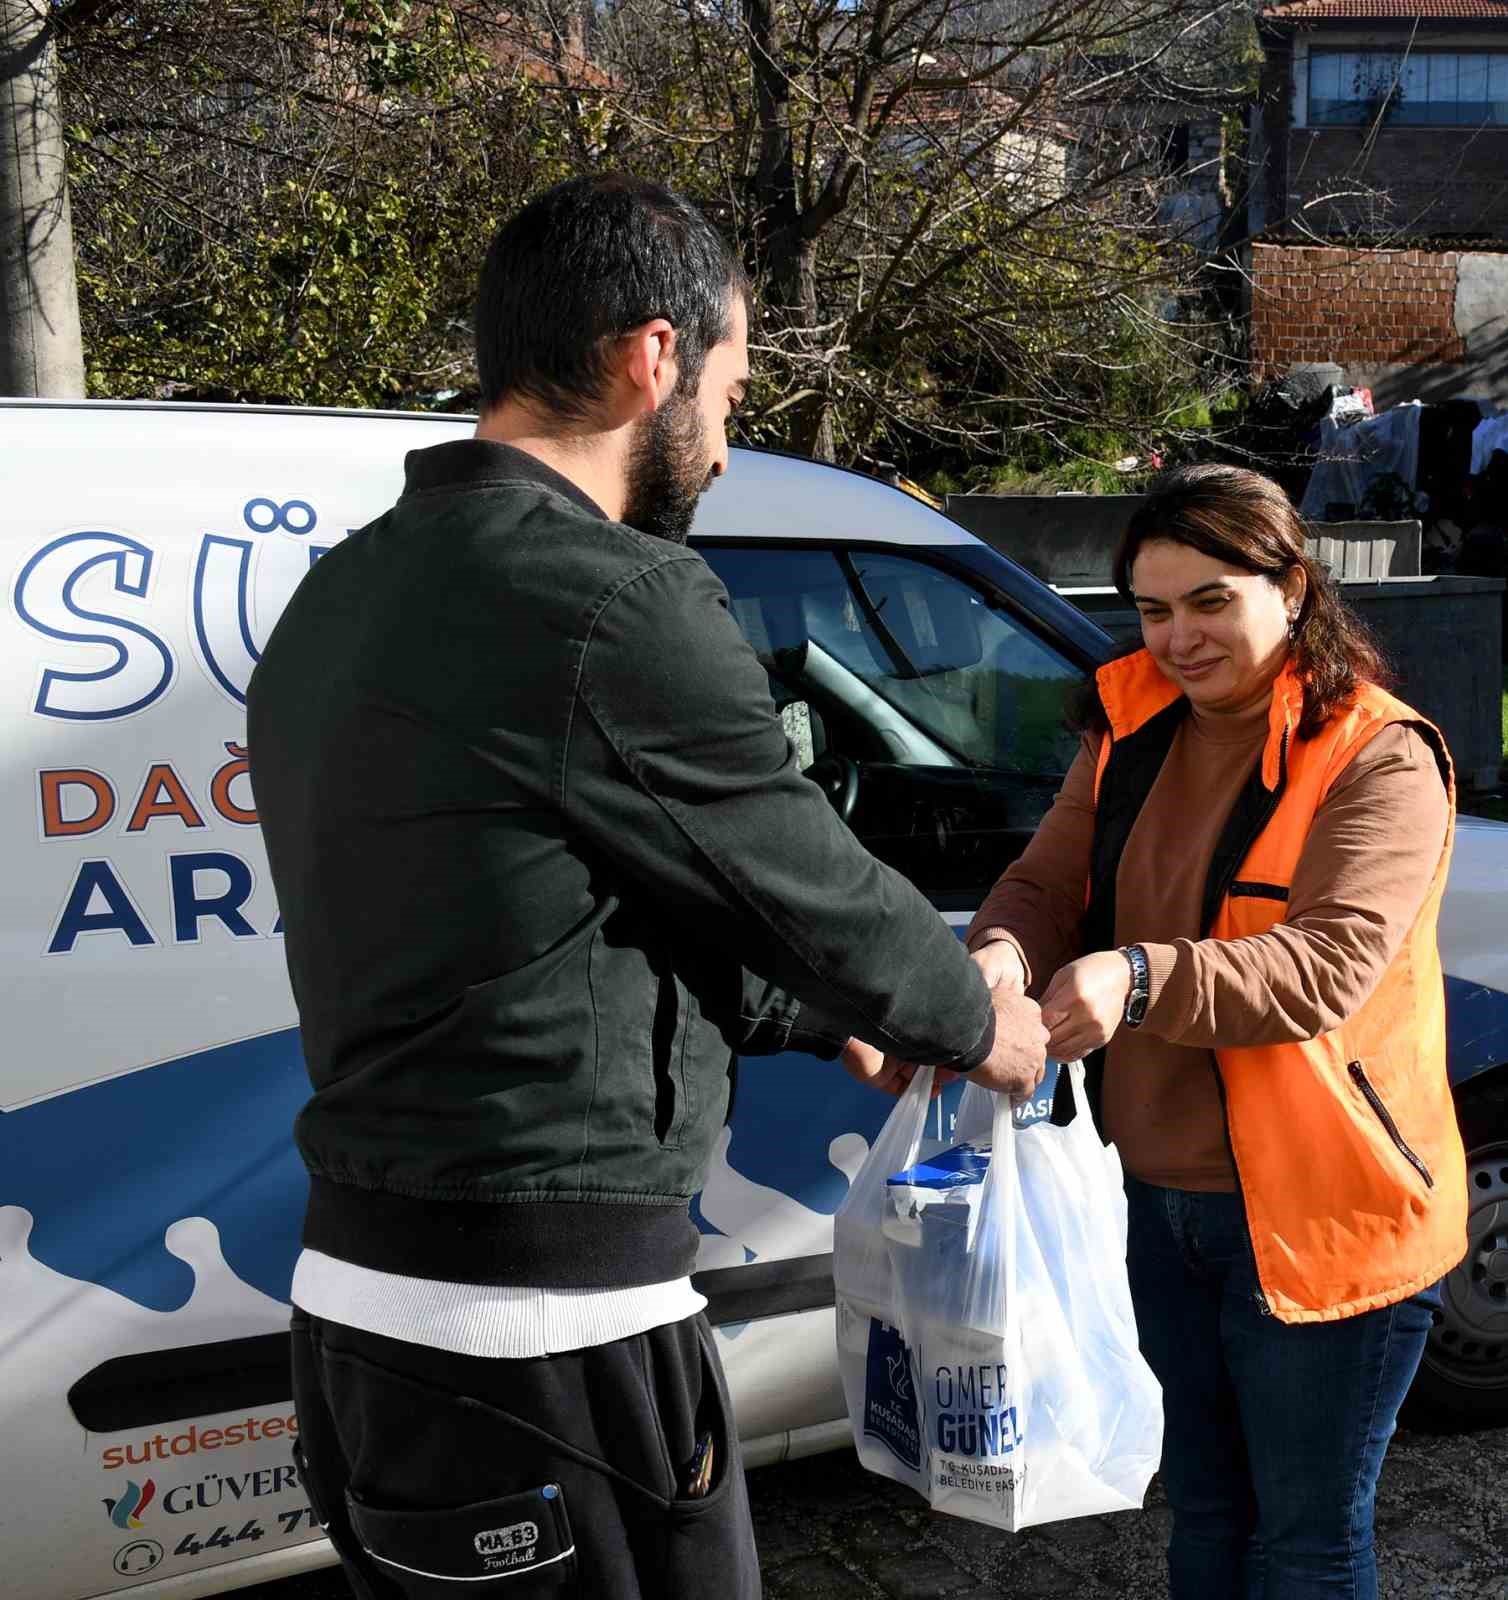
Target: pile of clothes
1444,464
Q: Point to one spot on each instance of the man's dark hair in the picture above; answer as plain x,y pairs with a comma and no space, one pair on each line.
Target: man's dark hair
585,263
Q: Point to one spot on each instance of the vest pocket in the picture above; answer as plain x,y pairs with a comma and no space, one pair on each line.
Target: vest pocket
1251,907
1244,889
1385,1117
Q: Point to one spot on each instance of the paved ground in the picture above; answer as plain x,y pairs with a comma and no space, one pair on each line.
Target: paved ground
828,1529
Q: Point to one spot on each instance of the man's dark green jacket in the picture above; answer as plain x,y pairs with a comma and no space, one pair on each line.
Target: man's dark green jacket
545,863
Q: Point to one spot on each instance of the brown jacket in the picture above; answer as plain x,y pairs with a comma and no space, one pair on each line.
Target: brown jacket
1318,993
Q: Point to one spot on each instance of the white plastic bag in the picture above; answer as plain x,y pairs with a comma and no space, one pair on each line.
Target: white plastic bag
985,1332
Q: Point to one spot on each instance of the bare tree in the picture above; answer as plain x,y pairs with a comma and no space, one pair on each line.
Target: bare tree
950,208
956,212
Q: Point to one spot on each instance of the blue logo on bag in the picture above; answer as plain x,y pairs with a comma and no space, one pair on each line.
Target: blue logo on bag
974,1417
890,1413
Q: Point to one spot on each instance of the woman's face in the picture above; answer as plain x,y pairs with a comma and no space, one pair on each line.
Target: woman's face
1219,633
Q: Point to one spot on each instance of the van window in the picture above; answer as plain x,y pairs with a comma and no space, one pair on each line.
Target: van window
936,721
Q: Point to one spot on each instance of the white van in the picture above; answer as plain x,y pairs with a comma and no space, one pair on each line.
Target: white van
150,1195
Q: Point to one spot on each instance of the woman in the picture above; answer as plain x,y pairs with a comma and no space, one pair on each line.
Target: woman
1264,835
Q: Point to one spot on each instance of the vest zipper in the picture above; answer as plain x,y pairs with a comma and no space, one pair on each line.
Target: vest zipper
1229,877
1263,1305
1384,1116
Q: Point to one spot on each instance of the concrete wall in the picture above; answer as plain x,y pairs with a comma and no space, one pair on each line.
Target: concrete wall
1070,540
1480,318
1443,637
1408,324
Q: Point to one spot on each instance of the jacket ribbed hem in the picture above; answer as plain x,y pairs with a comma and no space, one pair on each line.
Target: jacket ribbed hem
547,1244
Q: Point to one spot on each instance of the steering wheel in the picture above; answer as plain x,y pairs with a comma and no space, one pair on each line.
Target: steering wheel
838,778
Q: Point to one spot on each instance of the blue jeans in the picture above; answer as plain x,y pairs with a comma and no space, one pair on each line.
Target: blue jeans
1274,1432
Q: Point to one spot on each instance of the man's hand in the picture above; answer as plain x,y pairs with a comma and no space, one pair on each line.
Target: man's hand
887,1073
1016,1063
1085,1003
1000,962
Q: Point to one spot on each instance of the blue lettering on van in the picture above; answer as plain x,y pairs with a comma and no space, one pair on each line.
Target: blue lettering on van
191,904
143,665
229,653
204,884
98,882
297,517
223,632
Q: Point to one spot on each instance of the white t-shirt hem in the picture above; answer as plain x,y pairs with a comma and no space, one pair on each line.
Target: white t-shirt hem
505,1321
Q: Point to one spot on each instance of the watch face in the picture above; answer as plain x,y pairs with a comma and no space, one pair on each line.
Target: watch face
1136,1009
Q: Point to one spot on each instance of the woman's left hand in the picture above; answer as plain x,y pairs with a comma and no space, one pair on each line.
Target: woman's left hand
1085,1003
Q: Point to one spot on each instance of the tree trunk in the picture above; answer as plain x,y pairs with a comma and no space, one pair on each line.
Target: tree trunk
813,430
40,349
781,254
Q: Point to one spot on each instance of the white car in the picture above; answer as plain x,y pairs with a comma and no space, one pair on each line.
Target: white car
150,1194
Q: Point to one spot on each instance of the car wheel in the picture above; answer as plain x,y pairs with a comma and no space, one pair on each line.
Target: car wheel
1463,1379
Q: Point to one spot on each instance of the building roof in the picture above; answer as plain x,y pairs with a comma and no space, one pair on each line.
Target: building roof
1387,11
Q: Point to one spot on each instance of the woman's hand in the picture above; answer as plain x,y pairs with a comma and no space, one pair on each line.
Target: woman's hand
1000,962
1085,1003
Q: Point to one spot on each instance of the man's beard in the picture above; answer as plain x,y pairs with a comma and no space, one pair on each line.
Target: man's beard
667,472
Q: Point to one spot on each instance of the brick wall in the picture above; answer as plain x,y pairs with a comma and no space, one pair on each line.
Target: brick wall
1360,308
1414,180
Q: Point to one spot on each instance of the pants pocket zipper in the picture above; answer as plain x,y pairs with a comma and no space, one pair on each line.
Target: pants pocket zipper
1385,1117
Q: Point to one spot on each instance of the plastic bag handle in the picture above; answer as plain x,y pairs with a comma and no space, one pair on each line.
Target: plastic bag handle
861,1214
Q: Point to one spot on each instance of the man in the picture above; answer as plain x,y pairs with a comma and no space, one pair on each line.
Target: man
546,862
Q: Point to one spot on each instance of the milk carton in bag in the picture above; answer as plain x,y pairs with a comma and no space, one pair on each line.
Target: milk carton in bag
999,1270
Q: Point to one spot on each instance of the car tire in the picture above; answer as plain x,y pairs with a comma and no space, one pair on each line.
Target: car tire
1463,1379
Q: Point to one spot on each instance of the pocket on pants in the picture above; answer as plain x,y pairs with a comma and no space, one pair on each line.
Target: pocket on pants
318,1458
714,1533
518,1544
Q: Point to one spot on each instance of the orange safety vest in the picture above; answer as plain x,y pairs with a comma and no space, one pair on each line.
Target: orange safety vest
1346,1147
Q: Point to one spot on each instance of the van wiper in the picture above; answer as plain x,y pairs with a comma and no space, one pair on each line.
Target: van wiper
904,666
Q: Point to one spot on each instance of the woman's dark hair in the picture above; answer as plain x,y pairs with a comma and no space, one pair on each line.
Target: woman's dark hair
1245,519
581,265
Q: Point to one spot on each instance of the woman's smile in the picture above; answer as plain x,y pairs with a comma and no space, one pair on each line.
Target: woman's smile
1197,669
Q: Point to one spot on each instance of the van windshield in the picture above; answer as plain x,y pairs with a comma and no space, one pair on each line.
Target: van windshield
964,673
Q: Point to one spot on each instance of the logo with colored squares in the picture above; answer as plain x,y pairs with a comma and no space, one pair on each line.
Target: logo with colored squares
125,1512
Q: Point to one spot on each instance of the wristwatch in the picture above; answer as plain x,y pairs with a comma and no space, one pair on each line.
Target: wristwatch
1141,985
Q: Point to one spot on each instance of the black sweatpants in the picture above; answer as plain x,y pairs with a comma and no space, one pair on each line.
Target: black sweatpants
564,1475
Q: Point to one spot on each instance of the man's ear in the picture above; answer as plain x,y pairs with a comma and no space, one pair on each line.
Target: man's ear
650,363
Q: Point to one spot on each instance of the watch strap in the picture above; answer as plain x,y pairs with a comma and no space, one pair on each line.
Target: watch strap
1140,991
